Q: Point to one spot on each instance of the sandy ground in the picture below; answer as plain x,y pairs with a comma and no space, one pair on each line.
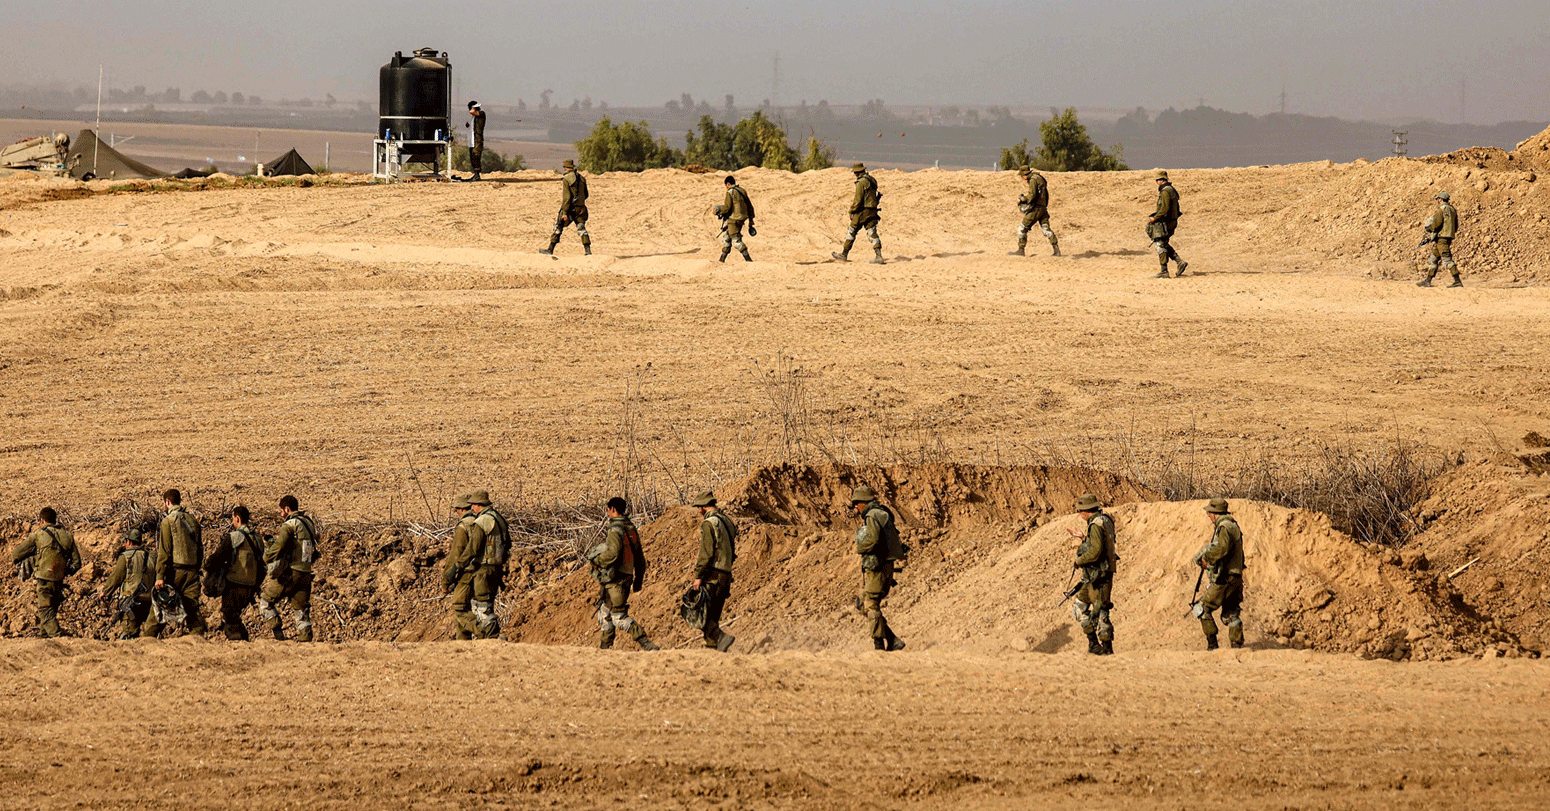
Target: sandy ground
171,147
492,725
340,341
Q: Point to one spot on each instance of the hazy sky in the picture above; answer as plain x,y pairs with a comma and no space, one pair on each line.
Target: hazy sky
1352,59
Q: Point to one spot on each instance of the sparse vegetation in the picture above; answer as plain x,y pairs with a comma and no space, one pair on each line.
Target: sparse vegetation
1066,147
490,161
625,147
752,141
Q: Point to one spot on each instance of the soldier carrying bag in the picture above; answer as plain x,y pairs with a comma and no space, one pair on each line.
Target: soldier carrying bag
692,606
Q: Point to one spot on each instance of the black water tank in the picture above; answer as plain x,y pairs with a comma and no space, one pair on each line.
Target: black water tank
416,99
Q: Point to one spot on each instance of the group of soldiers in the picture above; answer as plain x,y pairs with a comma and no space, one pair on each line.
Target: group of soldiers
161,593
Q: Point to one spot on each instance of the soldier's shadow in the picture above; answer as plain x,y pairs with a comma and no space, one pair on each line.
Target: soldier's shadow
1054,640
649,255
1096,254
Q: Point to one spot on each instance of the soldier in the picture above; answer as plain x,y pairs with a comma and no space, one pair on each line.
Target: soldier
877,542
1222,562
735,210
48,556
573,209
718,550
179,552
1034,204
489,544
129,586
457,576
619,565
1163,222
238,565
1096,558
289,556
476,149
863,215
1441,228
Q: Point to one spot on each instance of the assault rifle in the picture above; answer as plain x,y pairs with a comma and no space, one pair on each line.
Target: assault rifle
1196,595
1430,238
1071,592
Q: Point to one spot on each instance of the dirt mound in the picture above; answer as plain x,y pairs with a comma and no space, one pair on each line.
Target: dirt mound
1535,150
1496,521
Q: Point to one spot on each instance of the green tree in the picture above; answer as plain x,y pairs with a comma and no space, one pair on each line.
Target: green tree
490,161
753,141
624,147
1016,156
817,155
1066,147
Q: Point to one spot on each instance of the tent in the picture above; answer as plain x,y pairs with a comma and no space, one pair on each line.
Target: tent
191,173
86,151
290,163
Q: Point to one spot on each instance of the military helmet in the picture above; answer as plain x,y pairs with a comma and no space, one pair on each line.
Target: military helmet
1025,169
858,168
1443,196
705,499
862,494
460,502
166,597
1160,174
1087,503
568,164
480,498
473,105
1218,506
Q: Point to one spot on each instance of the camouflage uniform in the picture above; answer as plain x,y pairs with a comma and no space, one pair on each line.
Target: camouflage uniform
618,568
1097,558
735,209
1165,220
573,209
489,541
238,562
288,557
458,573
878,544
128,588
1035,207
51,552
718,551
1442,227
1223,563
863,216
179,553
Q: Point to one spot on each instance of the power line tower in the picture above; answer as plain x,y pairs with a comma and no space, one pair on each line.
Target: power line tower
1400,144
1283,99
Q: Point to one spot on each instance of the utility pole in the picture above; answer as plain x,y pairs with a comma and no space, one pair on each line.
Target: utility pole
1400,143
97,133
1283,99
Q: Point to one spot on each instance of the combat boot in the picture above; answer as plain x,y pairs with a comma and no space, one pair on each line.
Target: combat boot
1019,252
587,249
746,257
879,643
877,258
647,644
549,251
1424,283
1106,648
1054,248
279,633
1183,265
475,177
723,258
605,643
1093,645
1211,643
1236,643
894,643
725,642
1162,274
844,253
1457,282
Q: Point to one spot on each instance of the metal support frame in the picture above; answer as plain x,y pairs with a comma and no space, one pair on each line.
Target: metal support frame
387,157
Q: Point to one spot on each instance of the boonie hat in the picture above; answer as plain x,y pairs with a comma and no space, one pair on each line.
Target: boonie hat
479,497
1087,503
1218,506
862,493
705,499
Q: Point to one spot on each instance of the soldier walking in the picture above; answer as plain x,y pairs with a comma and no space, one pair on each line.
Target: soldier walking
476,149
179,553
718,550
1222,562
237,564
128,588
878,544
1163,222
457,575
1097,558
619,564
48,556
573,209
1034,204
288,557
735,210
1441,228
863,215
489,545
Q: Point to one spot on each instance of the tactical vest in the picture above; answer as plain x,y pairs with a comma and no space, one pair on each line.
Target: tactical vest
889,545
740,200
1233,562
578,190
1449,227
1109,560
497,537
52,559
247,558
1038,193
870,198
726,552
304,550
139,578
1170,196
188,549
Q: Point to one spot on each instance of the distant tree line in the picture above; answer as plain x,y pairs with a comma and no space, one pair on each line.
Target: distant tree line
753,141
1064,147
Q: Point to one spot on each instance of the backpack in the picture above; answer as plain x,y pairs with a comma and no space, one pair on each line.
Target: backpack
309,543
636,555
497,551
